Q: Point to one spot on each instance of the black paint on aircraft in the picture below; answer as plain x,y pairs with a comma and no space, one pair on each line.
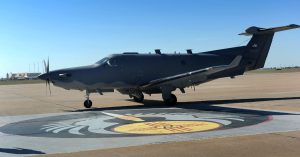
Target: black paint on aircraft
133,74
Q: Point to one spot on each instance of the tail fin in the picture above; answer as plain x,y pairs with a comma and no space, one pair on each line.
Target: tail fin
260,43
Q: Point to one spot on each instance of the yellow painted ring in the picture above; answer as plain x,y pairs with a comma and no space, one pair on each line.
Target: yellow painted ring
166,127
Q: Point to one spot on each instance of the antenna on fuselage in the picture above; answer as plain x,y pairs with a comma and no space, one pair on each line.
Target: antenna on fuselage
189,51
157,51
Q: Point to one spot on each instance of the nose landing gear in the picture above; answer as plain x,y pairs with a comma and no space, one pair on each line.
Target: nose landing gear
87,103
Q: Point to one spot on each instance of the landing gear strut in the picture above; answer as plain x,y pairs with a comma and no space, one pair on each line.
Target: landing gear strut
87,103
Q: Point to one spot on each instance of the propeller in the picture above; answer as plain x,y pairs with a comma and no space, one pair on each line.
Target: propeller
46,75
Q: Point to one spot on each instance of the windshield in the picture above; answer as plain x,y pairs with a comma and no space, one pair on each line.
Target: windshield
104,60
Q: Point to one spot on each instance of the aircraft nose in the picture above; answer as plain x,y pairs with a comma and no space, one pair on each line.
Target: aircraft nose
43,76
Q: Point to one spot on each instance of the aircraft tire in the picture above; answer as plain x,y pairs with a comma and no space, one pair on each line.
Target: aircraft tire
171,101
88,103
140,98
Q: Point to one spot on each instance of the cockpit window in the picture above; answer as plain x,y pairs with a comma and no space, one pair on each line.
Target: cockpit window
102,61
112,62
108,61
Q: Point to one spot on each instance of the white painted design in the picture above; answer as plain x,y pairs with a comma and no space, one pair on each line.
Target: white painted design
94,125
98,124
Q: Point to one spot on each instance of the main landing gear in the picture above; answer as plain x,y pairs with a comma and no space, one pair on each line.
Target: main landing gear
87,103
137,97
169,98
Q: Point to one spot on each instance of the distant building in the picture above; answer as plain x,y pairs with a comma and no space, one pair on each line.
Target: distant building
32,76
23,76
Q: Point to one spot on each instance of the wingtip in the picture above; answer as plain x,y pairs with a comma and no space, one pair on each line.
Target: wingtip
294,26
244,33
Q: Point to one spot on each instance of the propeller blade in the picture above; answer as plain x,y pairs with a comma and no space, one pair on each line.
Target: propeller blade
45,66
48,81
48,66
46,87
47,72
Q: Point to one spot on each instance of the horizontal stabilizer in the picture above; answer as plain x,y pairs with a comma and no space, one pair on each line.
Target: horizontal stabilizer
257,30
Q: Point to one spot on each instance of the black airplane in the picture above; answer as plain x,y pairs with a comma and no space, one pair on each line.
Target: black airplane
134,74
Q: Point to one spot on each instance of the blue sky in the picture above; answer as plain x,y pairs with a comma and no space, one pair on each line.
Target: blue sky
80,32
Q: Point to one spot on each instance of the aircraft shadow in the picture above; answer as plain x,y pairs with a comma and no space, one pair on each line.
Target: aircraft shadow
19,151
208,105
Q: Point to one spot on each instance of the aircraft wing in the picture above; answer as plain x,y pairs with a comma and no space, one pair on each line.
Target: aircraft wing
193,77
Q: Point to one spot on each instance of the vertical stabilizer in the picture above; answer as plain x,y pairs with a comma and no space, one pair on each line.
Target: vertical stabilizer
258,47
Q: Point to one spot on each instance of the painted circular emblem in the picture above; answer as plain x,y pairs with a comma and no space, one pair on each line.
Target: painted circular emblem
126,123
166,127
